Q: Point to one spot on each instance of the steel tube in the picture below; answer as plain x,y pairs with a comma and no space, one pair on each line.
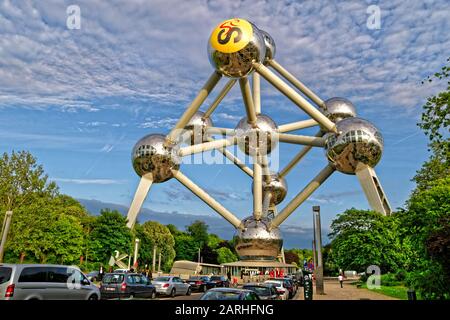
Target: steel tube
302,196
205,197
304,140
139,197
193,107
297,83
206,146
257,189
248,100
257,92
299,156
220,97
295,97
297,125
217,130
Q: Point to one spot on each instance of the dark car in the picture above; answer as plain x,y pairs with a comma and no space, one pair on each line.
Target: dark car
126,285
229,294
201,283
220,281
265,291
288,284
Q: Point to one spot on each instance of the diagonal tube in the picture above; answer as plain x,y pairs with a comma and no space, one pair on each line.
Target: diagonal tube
220,97
297,125
205,197
302,196
295,97
299,156
193,107
139,197
206,146
304,140
297,83
248,100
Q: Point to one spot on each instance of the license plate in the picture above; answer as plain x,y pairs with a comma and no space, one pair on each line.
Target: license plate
110,289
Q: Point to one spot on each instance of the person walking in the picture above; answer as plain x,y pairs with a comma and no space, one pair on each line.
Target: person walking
341,279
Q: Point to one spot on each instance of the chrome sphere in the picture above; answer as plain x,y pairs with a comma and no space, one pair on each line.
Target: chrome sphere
197,127
150,155
339,108
358,142
270,46
256,140
277,187
233,47
255,242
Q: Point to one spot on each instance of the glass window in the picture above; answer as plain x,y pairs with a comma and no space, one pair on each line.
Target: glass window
112,278
58,275
251,296
131,279
33,274
5,274
162,279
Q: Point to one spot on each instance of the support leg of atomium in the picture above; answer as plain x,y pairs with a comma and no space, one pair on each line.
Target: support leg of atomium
139,198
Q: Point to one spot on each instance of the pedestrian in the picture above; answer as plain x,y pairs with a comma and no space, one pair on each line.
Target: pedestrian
341,279
101,273
229,275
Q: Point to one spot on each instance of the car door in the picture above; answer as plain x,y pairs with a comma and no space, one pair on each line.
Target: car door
147,288
131,285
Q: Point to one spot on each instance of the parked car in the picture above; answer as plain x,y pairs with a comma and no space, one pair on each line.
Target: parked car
288,284
229,294
126,285
93,276
121,271
220,281
171,286
201,283
265,291
283,292
45,282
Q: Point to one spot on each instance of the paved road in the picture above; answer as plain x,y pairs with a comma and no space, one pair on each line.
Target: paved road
333,291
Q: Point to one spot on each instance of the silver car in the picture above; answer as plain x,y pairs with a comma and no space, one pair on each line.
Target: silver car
171,286
45,282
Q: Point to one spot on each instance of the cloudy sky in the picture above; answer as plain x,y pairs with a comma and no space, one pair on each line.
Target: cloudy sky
79,99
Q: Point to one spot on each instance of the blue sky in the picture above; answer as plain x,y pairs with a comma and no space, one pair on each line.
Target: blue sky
80,99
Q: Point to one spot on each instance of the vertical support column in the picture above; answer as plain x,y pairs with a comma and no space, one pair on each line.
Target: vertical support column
159,262
154,259
5,231
257,189
136,248
318,238
257,92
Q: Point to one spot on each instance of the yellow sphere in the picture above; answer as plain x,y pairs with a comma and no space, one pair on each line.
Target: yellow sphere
233,47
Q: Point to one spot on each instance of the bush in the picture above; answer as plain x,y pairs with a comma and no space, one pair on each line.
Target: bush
390,280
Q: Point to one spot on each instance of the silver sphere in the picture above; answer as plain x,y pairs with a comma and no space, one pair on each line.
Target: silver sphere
150,155
197,127
255,242
257,140
339,108
270,46
277,187
358,142
233,47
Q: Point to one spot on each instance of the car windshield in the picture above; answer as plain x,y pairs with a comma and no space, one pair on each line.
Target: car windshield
216,278
220,295
113,278
162,279
276,283
5,274
197,278
260,291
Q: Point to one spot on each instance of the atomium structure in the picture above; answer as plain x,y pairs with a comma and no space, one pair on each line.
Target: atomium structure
238,50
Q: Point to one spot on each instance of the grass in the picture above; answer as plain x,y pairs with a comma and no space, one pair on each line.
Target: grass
399,292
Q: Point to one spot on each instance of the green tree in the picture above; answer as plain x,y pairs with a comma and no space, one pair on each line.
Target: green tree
362,238
22,180
425,218
225,255
186,247
109,233
153,233
199,231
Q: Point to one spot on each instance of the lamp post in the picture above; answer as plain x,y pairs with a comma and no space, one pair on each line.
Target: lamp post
318,239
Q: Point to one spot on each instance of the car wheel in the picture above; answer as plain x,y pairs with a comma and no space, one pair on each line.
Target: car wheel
153,296
172,293
93,297
188,292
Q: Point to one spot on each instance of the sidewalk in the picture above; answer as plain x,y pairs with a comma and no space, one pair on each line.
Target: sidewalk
333,291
